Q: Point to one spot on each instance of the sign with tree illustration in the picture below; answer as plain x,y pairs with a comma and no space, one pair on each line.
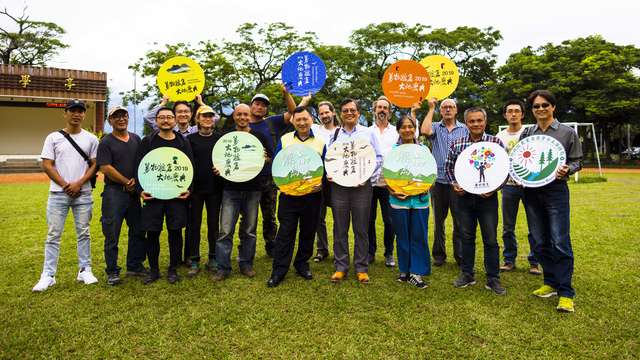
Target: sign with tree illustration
180,79
238,156
535,160
165,173
409,169
482,167
350,163
297,170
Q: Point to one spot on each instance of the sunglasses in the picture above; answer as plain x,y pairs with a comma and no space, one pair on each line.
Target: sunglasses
543,105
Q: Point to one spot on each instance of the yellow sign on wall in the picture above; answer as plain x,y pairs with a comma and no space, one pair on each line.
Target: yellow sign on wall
443,74
180,79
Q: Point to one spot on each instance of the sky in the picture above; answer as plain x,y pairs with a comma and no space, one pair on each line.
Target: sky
110,35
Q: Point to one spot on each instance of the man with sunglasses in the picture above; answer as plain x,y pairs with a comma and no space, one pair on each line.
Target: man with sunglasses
547,207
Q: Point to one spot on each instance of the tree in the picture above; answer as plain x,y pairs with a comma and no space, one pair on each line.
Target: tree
29,42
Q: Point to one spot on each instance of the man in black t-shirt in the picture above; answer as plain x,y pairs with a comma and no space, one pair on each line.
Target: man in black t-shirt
119,200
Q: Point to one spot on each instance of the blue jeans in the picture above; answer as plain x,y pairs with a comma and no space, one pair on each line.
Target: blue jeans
511,196
235,203
549,224
411,228
471,210
119,205
58,206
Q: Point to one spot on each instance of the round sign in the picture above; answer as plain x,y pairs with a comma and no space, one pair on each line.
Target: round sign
409,169
238,156
482,167
165,173
350,163
535,160
303,73
180,79
443,74
405,83
297,170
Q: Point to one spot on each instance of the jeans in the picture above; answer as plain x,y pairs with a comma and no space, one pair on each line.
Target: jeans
119,205
549,224
511,196
471,210
411,227
58,206
443,199
212,202
235,203
380,194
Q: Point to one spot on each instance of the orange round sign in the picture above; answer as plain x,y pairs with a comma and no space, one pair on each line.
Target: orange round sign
405,83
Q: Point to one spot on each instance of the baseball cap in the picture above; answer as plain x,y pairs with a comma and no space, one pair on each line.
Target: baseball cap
75,103
205,109
262,97
116,108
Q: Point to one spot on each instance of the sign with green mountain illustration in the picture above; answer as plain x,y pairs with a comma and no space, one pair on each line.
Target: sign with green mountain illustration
238,156
297,170
409,169
535,160
165,173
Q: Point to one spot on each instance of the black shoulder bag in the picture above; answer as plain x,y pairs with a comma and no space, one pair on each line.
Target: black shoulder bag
94,178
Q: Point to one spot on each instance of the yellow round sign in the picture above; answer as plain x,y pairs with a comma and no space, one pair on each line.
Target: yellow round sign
443,74
180,79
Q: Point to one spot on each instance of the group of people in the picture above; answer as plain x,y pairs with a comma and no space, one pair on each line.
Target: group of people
72,156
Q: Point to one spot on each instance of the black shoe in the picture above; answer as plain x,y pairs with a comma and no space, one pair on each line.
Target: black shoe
173,277
493,284
151,277
464,280
274,281
113,279
320,257
305,274
438,263
403,277
142,272
417,281
219,276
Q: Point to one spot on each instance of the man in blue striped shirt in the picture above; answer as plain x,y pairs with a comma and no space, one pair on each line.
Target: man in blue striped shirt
442,134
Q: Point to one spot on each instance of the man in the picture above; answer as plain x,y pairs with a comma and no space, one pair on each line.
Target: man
473,209
387,136
352,205
442,134
241,199
207,189
513,112
292,210
70,173
547,207
154,211
330,125
119,198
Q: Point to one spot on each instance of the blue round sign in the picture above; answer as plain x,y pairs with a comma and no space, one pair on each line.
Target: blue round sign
303,73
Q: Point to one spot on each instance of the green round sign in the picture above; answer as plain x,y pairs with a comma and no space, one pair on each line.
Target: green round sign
297,170
238,156
409,169
165,173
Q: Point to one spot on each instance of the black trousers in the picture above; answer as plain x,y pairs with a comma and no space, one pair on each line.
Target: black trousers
291,211
444,199
198,202
268,203
153,249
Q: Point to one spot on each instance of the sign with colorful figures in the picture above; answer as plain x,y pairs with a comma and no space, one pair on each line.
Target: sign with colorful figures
297,170
443,74
180,79
165,173
535,160
405,83
350,163
409,169
303,73
482,167
238,156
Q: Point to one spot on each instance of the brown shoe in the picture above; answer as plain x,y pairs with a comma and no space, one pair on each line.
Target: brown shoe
219,276
535,270
248,272
507,267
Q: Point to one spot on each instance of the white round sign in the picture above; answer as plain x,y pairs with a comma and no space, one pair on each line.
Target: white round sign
535,160
350,163
482,167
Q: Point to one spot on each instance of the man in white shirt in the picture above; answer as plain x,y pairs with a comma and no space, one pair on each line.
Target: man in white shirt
387,136
70,188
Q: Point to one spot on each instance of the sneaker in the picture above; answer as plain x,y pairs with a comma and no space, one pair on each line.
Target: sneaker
211,265
416,280
403,277
194,270
142,272
248,271
363,277
338,276
113,279
173,277
44,283
565,304
151,277
493,284
545,291
464,280
319,257
535,270
85,275
507,267
389,261
219,276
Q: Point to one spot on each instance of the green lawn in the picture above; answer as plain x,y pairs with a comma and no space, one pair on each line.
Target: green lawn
242,318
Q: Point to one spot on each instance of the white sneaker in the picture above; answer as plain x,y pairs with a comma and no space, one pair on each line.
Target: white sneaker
44,283
85,275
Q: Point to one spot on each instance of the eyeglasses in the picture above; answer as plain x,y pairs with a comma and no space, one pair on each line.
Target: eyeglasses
543,105
514,111
447,107
165,117
349,111
117,117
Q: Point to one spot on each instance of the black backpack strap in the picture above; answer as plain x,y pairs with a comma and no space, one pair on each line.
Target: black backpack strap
75,146
335,135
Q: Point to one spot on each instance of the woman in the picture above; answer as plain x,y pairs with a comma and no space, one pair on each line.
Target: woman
410,216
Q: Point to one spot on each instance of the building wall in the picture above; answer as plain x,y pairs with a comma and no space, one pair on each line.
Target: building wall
23,129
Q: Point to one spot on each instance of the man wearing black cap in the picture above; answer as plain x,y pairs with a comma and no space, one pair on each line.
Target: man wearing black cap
69,160
119,199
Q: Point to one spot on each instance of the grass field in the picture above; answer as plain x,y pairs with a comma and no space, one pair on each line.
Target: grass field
242,318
